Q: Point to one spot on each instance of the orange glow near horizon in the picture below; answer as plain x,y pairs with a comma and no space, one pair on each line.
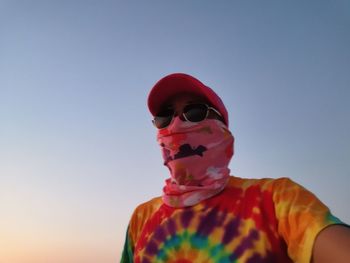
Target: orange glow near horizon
32,239
27,249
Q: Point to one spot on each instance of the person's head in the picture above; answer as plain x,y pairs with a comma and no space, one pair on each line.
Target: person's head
193,134
186,97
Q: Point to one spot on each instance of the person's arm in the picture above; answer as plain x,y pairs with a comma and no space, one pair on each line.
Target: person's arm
332,245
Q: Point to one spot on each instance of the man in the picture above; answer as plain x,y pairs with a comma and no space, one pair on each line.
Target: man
206,215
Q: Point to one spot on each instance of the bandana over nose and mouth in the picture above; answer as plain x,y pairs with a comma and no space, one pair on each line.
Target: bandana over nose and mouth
197,155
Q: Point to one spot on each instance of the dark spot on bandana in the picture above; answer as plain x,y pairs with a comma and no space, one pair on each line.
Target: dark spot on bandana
186,150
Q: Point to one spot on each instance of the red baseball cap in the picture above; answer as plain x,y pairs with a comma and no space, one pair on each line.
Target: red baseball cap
176,83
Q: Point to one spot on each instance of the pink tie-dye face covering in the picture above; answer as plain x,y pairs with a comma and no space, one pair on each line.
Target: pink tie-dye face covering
197,155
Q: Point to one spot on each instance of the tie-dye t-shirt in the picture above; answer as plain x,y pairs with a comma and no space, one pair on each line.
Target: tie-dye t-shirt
251,220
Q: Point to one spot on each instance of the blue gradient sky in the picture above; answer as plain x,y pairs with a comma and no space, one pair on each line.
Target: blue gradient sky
77,148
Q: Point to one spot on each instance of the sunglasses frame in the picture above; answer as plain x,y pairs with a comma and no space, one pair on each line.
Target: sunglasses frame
184,115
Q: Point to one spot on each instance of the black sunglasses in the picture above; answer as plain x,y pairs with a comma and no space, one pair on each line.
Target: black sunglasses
192,112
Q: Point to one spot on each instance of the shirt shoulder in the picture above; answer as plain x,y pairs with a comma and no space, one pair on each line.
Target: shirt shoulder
149,207
141,215
271,184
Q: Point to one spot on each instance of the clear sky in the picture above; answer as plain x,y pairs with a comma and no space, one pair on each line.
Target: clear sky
77,148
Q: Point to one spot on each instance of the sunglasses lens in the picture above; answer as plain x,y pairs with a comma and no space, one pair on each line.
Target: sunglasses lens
163,118
195,112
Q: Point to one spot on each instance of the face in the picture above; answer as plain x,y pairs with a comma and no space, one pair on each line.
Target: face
178,105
